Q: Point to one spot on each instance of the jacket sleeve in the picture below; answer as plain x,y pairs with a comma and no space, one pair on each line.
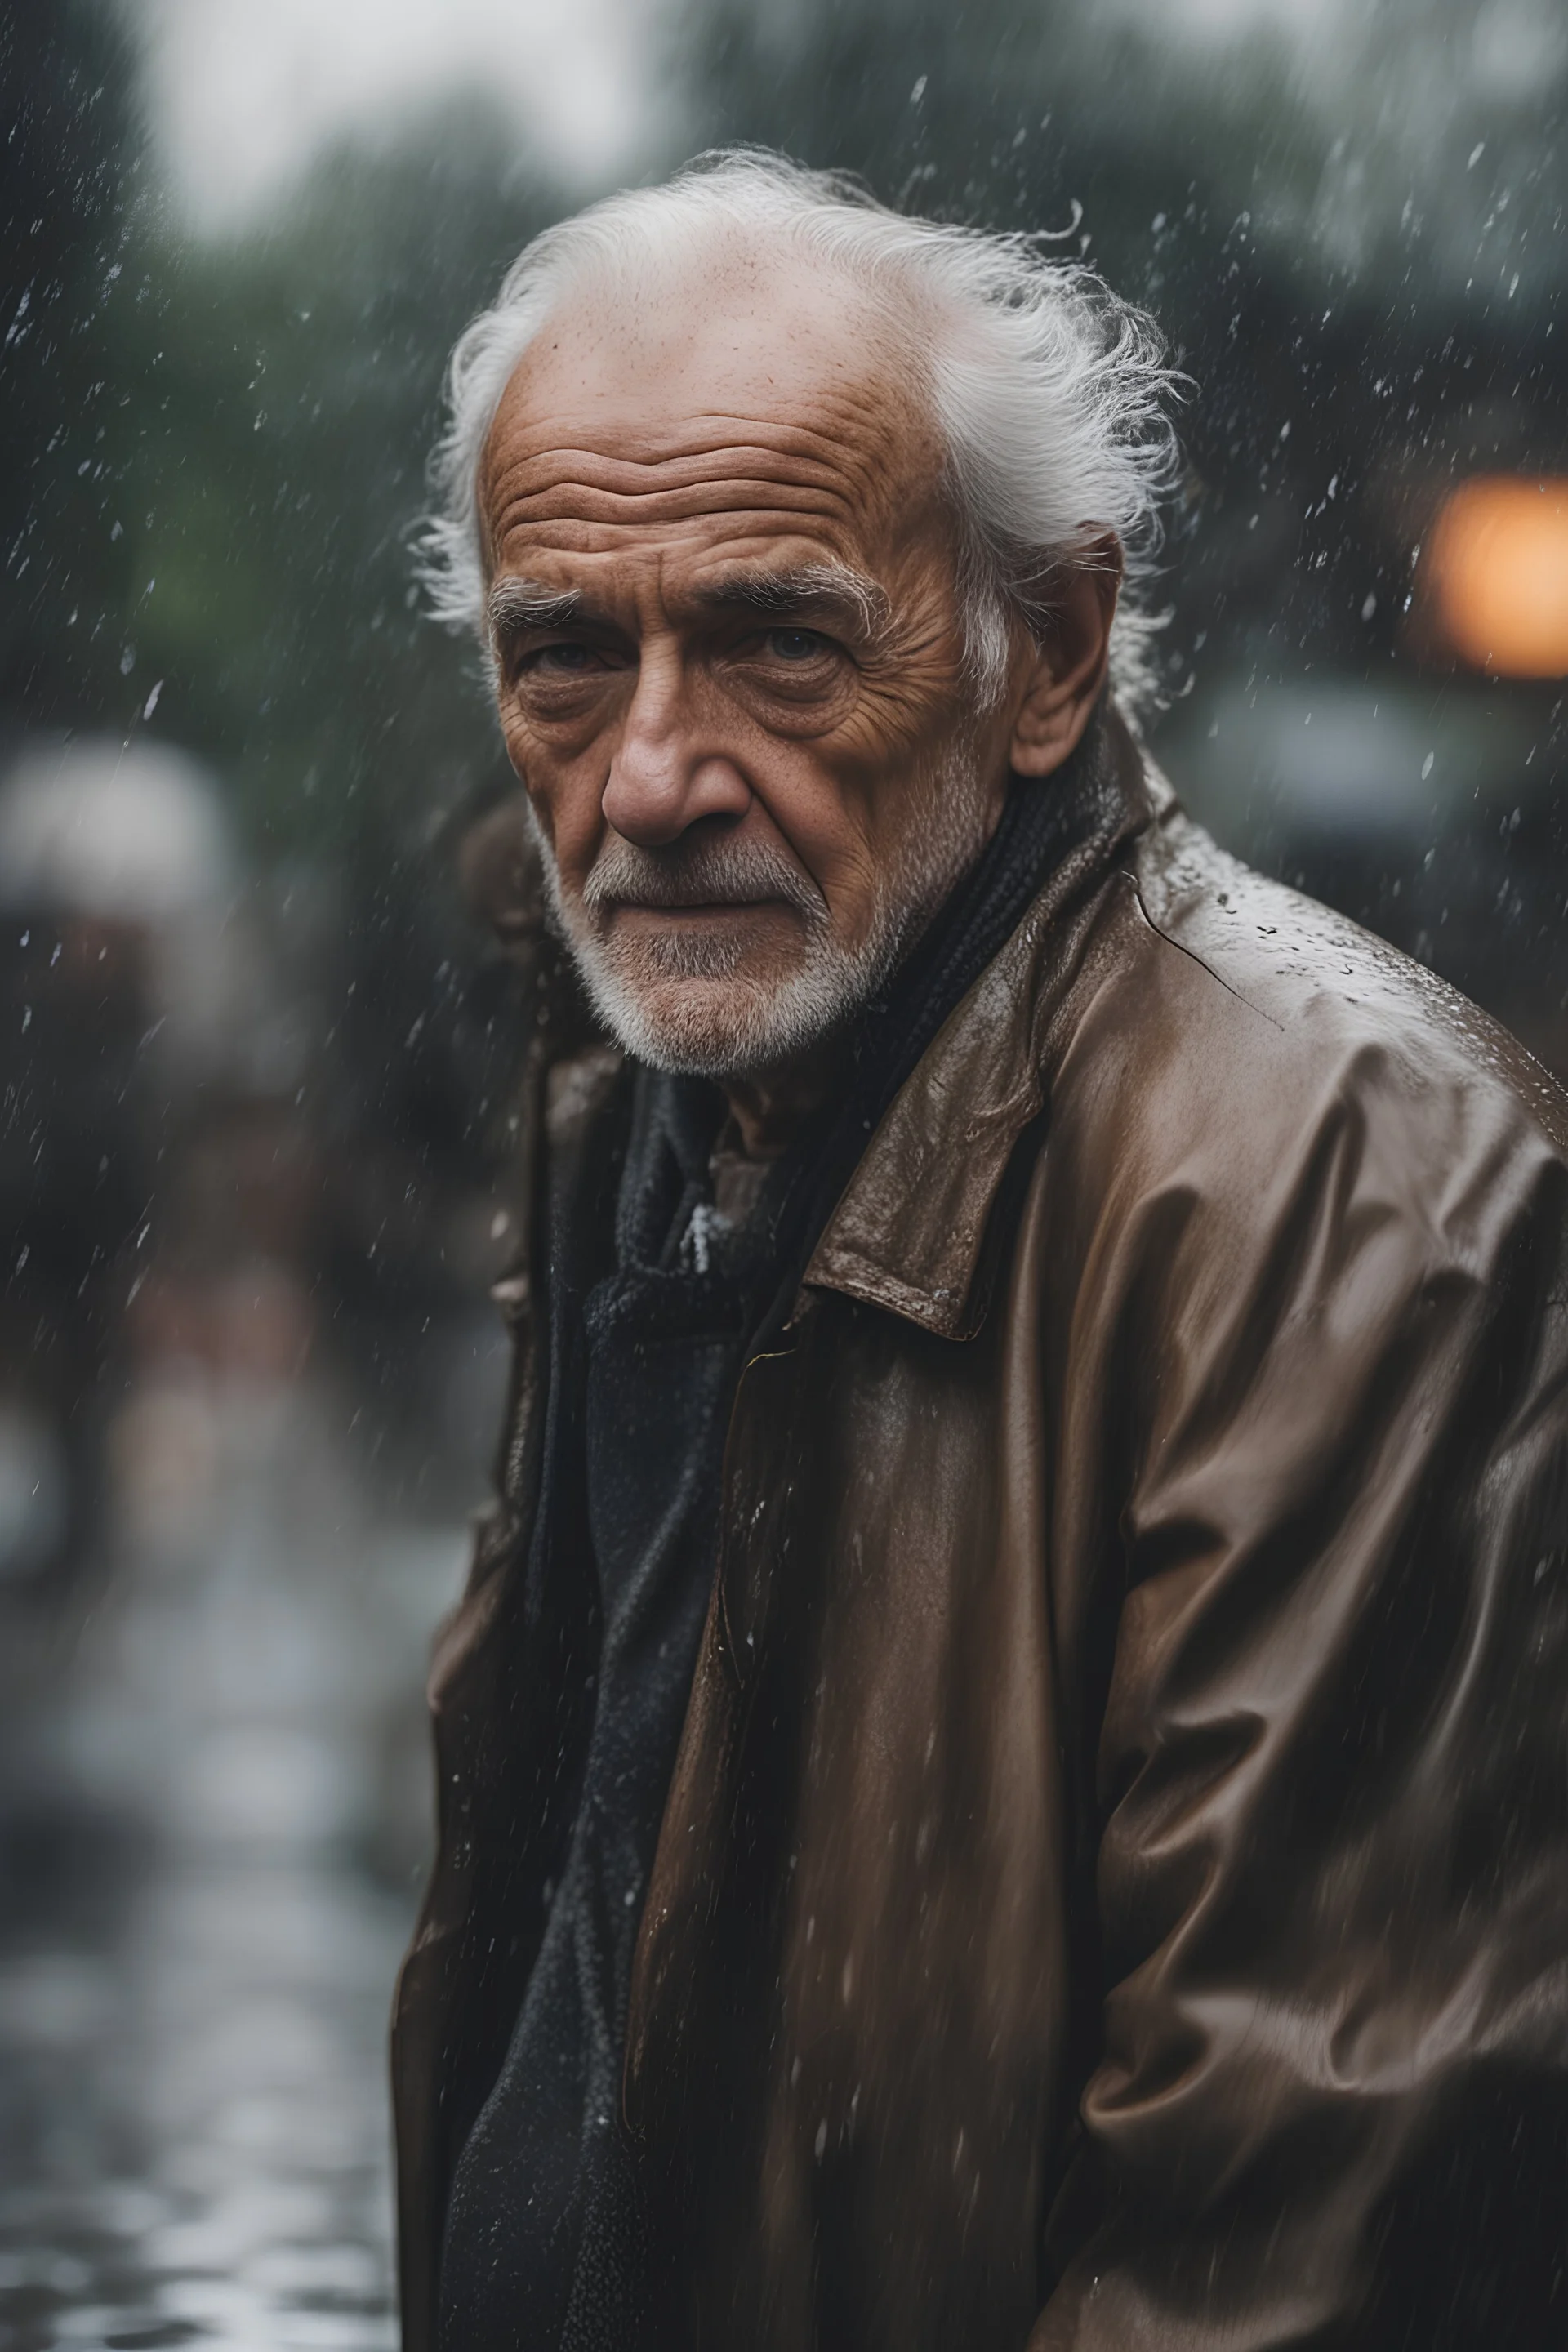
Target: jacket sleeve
1331,2104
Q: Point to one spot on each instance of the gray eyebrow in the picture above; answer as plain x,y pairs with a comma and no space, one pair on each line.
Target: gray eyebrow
514,604
808,587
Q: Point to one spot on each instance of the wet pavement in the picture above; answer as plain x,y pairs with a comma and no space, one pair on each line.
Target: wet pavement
215,1820
206,2150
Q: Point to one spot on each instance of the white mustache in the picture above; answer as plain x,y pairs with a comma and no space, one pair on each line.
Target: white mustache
700,874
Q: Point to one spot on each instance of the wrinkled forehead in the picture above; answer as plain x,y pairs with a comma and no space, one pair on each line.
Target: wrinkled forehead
638,397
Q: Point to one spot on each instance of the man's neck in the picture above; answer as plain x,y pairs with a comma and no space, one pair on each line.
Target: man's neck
769,1109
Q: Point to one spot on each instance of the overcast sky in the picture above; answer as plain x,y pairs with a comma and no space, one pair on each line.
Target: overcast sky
242,91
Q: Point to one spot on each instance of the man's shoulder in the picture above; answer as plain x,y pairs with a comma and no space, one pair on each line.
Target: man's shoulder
1242,1017
1336,997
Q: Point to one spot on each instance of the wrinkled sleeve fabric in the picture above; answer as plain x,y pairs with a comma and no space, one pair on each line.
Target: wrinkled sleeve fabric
1332,2108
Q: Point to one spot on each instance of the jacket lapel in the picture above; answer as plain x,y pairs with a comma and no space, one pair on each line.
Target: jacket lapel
909,1233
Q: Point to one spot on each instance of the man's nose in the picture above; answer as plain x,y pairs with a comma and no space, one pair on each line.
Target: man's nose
667,771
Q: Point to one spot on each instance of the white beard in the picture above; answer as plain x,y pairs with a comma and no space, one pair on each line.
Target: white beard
681,1004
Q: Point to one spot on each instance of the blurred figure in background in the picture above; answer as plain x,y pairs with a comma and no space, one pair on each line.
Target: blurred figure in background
114,879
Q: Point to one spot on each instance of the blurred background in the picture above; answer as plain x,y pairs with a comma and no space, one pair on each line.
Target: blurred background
256,1047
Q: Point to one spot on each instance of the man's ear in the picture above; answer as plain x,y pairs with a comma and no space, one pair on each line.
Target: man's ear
1068,664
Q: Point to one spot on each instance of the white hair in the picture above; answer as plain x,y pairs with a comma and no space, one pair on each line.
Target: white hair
1049,393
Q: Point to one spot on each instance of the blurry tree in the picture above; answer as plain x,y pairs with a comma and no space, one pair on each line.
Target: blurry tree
68,170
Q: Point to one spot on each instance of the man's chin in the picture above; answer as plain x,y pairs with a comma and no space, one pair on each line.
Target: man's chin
738,1027
698,1028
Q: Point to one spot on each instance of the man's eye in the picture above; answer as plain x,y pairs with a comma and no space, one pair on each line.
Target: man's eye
563,658
795,644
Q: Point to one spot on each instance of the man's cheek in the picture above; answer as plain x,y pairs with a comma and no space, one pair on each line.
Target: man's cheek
515,738
831,819
896,717
568,803
533,774
531,762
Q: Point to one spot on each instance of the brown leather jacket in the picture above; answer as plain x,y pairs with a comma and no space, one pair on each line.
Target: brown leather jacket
1114,1889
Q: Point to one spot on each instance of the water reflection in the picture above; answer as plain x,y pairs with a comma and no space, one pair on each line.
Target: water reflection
214,1818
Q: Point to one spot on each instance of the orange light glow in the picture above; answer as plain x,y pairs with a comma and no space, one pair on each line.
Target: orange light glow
1496,576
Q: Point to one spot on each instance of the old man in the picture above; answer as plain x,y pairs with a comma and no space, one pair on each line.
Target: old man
1002,1767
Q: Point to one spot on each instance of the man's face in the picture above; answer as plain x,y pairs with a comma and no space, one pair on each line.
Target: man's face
731,661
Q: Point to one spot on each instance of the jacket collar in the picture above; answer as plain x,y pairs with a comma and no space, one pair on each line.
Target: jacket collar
908,1231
